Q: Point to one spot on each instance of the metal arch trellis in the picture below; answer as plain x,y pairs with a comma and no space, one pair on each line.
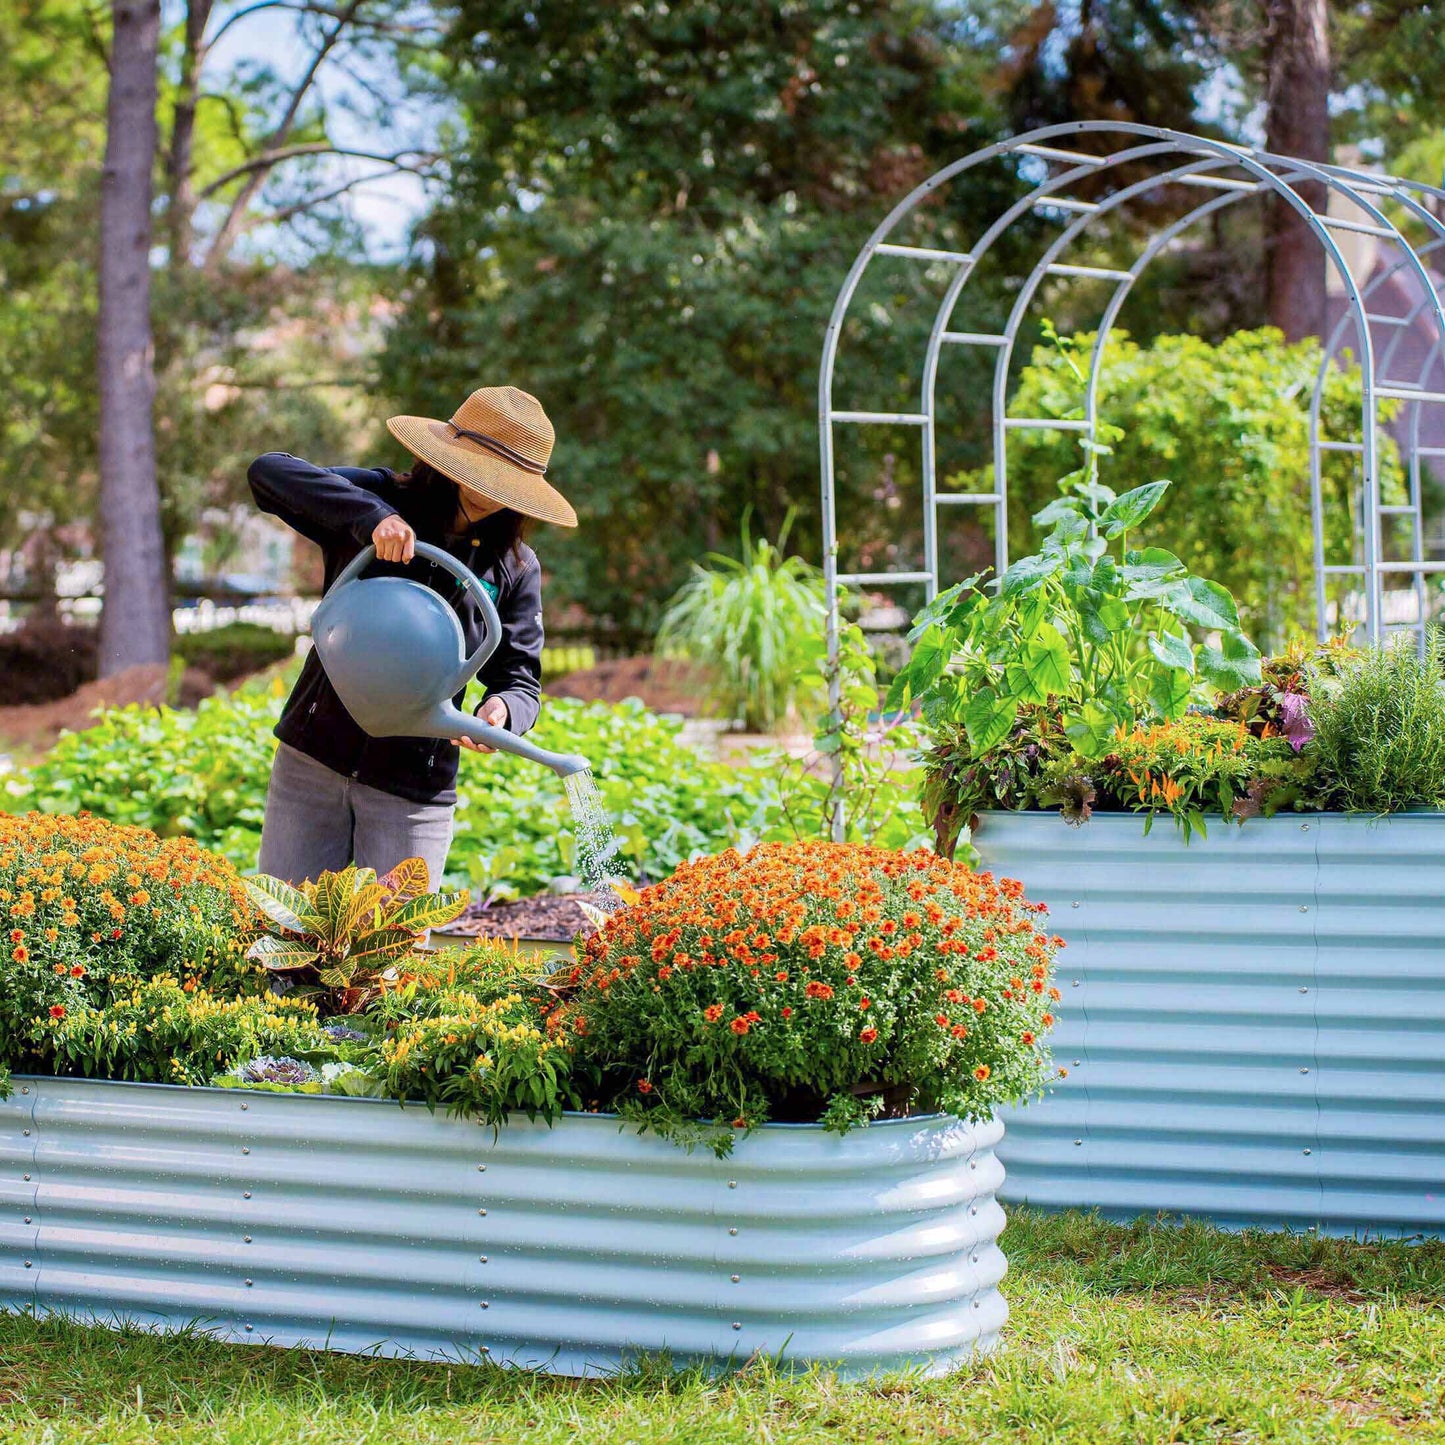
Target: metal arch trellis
1231,174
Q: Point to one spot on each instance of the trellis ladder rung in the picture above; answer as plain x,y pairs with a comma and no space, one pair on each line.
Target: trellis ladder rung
975,499
1044,423
1405,509
1409,393
1218,183
1389,320
973,338
1064,203
1410,566
1338,223
1429,452
868,579
1053,153
1342,446
1343,568
1102,273
925,253
906,418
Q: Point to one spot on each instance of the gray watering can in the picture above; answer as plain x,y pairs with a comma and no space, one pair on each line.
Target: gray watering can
395,653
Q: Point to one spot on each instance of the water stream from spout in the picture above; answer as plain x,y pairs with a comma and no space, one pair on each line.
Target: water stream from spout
596,848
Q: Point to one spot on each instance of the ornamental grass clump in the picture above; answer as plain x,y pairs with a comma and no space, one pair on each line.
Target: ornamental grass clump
815,981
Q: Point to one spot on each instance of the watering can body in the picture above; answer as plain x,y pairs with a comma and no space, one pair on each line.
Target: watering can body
395,652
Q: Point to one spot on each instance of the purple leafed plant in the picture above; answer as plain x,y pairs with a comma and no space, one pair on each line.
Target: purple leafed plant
268,1070
1294,719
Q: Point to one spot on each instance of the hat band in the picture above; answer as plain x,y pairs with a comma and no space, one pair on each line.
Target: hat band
501,449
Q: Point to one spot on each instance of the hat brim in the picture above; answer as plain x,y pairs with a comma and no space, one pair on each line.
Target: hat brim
478,470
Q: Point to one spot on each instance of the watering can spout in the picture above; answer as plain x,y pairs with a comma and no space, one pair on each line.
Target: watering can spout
394,651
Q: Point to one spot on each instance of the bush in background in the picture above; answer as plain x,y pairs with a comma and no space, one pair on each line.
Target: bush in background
233,651
45,660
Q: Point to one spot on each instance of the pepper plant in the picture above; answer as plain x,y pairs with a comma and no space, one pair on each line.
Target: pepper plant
1087,626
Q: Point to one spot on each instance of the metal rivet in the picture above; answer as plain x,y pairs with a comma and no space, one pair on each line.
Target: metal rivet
1307,1151
737,1279
975,1304
483,1258
1074,904
246,1239
246,1195
249,1328
1078,1063
973,1163
486,1304
732,1183
973,1209
481,1211
26,1089
486,1349
737,1324
1076,983
245,1106
973,1259
732,1231
27,1264
1304,1071
1304,908
481,1168
27,1133
245,1149
248,1284
27,1219
1304,827
1304,990
1078,1142
27,1178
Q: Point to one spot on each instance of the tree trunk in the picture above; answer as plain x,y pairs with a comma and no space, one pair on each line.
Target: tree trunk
181,200
136,623
1298,61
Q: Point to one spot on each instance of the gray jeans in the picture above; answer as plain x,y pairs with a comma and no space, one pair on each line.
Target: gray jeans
319,820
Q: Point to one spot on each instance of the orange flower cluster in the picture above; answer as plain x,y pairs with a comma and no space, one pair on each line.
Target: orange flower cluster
822,966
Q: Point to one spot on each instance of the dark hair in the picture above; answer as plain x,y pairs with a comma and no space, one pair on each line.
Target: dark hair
436,495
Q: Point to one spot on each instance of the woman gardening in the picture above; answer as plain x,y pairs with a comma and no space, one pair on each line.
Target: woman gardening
336,794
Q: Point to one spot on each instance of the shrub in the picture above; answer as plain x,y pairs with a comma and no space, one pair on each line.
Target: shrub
233,651
815,981
90,907
1379,731
756,622
44,660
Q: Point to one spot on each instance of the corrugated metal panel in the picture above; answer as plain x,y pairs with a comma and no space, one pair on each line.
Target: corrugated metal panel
359,1224
1254,1023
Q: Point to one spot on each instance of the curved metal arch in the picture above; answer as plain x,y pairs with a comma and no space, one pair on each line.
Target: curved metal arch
1267,173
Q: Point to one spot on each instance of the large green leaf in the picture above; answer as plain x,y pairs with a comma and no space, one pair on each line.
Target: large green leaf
1041,670
1234,663
358,913
408,880
1173,651
1205,603
372,950
1169,690
1126,512
281,954
930,656
287,907
1028,573
988,718
1091,730
1060,509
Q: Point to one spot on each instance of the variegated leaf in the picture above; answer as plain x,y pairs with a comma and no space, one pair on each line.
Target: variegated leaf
285,906
359,913
335,977
280,954
373,950
593,914
333,892
430,911
408,880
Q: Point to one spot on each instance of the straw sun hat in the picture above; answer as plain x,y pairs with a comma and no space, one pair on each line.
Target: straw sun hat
497,443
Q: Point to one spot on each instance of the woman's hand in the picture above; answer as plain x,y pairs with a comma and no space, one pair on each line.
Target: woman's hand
493,711
394,540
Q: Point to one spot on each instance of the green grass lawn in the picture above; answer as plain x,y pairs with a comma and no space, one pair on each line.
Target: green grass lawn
1132,1334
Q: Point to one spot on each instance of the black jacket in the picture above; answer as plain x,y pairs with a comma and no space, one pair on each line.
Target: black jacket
338,508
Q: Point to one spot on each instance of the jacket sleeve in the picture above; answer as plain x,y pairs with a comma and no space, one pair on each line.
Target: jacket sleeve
514,671
323,505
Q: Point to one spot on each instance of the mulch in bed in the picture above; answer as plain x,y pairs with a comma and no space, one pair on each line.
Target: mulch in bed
553,917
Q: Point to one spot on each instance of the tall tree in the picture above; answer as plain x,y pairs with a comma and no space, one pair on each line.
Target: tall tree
1297,95
135,624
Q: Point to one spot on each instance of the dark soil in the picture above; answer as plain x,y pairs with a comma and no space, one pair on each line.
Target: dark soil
554,917
663,684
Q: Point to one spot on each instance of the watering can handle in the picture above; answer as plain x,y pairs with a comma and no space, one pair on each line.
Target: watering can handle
491,623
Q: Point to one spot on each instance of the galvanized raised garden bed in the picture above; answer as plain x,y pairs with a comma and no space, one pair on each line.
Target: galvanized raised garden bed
1254,1023
356,1224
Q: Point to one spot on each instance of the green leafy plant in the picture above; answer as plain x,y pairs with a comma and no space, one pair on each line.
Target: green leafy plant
814,981
756,622
1379,730
342,934
234,650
